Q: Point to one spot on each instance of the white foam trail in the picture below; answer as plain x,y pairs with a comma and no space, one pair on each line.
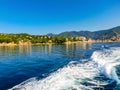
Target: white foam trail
107,60
74,75
67,78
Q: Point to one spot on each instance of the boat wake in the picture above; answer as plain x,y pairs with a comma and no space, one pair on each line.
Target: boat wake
96,73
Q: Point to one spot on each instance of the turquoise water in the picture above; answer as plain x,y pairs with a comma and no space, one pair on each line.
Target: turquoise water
60,67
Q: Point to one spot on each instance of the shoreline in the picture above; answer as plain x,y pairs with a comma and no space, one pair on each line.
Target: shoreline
25,44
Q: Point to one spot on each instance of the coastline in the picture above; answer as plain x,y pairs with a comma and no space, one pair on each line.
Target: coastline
8,44
29,43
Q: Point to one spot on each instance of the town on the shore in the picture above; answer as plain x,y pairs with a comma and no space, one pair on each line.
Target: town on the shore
25,39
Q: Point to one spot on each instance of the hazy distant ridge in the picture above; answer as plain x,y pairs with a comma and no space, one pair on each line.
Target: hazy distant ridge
109,33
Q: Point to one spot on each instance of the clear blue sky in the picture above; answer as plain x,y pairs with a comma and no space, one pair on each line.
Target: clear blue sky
55,16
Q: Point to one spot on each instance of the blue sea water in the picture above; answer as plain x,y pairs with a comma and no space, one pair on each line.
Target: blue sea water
80,66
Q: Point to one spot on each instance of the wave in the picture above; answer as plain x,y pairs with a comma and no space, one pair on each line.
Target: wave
80,76
106,61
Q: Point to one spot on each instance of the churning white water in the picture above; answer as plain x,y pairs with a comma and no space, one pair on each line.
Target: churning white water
79,76
107,60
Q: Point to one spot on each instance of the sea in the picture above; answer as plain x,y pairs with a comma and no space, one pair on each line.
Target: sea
76,66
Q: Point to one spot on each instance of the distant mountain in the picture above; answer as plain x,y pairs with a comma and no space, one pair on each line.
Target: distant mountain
51,34
106,34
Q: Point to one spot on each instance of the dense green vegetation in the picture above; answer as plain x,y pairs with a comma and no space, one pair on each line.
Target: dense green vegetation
23,37
102,34
112,34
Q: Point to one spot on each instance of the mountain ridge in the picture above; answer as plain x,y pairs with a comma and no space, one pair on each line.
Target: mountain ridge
108,33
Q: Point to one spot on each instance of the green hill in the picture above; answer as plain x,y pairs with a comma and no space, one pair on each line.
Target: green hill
113,34
106,34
